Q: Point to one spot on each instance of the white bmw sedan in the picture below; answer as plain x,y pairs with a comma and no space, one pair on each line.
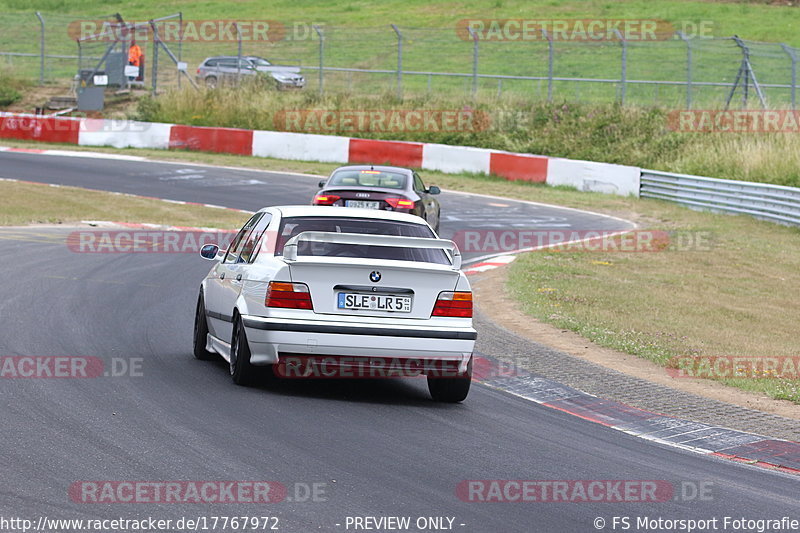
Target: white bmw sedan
313,291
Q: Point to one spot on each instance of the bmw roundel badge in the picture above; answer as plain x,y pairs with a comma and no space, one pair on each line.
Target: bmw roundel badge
374,276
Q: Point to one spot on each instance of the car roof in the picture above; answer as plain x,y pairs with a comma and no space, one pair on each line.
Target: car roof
224,57
340,212
399,170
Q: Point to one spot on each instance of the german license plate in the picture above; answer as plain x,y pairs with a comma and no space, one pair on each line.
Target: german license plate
363,204
374,302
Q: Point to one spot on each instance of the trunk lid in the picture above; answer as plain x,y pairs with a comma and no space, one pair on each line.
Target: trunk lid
373,275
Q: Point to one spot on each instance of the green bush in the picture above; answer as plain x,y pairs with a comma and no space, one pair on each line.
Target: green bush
8,95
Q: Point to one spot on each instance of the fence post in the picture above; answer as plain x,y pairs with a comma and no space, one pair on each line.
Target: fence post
180,42
474,60
793,56
624,73
156,40
238,54
321,56
41,48
399,61
688,69
550,57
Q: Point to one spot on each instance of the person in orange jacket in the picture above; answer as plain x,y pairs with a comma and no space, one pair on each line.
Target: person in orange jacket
135,56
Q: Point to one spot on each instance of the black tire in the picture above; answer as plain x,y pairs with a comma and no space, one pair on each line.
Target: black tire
211,82
201,331
242,370
451,390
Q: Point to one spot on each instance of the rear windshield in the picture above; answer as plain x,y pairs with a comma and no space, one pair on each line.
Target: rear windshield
292,226
368,178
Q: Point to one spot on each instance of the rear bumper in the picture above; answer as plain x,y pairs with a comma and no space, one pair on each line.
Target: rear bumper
271,337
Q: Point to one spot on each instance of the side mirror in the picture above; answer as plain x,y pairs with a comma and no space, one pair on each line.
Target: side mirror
321,183
209,251
433,189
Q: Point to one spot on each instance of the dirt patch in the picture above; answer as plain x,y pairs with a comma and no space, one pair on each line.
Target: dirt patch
494,301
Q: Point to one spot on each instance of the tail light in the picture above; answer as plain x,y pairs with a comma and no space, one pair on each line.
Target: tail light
400,203
288,295
325,199
455,304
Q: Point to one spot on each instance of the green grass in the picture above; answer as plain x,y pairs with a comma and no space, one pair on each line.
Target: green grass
734,299
358,35
30,203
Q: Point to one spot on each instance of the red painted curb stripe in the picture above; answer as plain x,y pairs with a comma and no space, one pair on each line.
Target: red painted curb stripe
26,150
46,129
385,152
519,167
218,140
757,462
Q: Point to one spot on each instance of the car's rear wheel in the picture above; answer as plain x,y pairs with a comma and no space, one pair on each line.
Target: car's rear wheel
451,390
211,82
242,370
201,331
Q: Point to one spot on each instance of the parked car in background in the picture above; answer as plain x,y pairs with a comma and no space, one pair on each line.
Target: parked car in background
217,70
380,187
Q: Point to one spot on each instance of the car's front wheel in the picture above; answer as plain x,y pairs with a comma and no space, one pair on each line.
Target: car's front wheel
242,370
201,331
451,389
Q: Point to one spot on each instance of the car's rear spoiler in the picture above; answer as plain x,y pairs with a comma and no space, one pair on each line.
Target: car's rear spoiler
290,248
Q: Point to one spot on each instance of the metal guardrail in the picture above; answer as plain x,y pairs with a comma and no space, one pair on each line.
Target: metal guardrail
774,203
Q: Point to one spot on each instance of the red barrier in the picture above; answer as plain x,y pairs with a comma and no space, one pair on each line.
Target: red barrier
519,167
45,129
385,153
220,140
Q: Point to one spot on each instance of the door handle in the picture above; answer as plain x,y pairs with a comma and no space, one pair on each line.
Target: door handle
238,277
222,276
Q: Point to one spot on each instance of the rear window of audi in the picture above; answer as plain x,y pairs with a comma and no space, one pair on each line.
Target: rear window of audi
292,226
368,178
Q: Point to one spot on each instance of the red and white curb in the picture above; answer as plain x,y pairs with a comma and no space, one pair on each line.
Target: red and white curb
583,175
697,437
489,264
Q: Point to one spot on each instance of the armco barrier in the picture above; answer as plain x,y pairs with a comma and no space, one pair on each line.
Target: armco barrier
584,175
775,203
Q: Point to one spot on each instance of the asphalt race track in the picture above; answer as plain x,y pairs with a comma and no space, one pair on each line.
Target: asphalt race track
373,448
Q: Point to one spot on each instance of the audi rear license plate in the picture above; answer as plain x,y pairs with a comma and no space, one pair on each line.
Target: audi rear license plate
374,302
363,204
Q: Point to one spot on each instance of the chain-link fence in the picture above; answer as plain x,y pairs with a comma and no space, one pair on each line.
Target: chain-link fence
675,71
